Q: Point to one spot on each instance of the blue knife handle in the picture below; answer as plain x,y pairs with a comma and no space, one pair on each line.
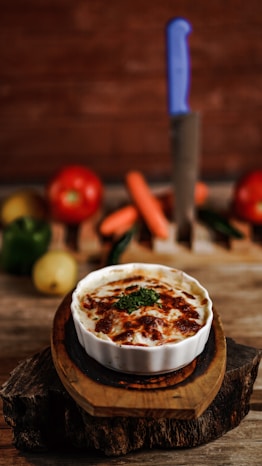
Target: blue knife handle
178,65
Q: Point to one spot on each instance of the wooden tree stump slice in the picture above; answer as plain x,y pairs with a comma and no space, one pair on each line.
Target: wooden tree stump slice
182,394
44,416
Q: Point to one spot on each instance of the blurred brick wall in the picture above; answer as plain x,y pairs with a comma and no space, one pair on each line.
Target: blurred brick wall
84,81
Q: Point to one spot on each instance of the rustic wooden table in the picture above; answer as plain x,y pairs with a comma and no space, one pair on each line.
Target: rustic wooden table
236,289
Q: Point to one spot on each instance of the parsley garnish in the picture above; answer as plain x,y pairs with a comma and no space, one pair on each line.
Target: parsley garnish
133,301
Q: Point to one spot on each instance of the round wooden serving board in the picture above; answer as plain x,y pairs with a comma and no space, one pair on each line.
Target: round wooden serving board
183,394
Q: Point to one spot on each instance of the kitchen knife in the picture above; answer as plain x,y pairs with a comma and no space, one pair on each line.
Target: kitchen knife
184,128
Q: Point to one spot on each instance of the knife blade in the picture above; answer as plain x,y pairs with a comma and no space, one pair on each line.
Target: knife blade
184,128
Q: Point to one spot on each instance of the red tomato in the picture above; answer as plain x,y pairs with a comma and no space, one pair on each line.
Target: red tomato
74,194
247,197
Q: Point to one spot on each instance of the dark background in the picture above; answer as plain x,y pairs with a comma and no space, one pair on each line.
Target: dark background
84,81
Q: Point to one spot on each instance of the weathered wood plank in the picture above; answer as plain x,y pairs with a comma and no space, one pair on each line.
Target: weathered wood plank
26,316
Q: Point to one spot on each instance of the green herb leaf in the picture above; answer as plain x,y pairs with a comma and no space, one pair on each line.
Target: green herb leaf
133,301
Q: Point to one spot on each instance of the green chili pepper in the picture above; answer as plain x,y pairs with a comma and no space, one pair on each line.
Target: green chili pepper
119,247
219,223
24,241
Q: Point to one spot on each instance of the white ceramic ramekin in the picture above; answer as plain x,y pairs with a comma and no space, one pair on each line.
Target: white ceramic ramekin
144,360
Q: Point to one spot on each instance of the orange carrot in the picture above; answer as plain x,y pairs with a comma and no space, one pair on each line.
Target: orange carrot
201,193
119,221
147,204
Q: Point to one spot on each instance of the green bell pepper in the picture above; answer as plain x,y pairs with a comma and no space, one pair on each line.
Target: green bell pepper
24,241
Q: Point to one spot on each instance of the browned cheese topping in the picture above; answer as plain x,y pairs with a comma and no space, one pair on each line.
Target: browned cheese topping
174,315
